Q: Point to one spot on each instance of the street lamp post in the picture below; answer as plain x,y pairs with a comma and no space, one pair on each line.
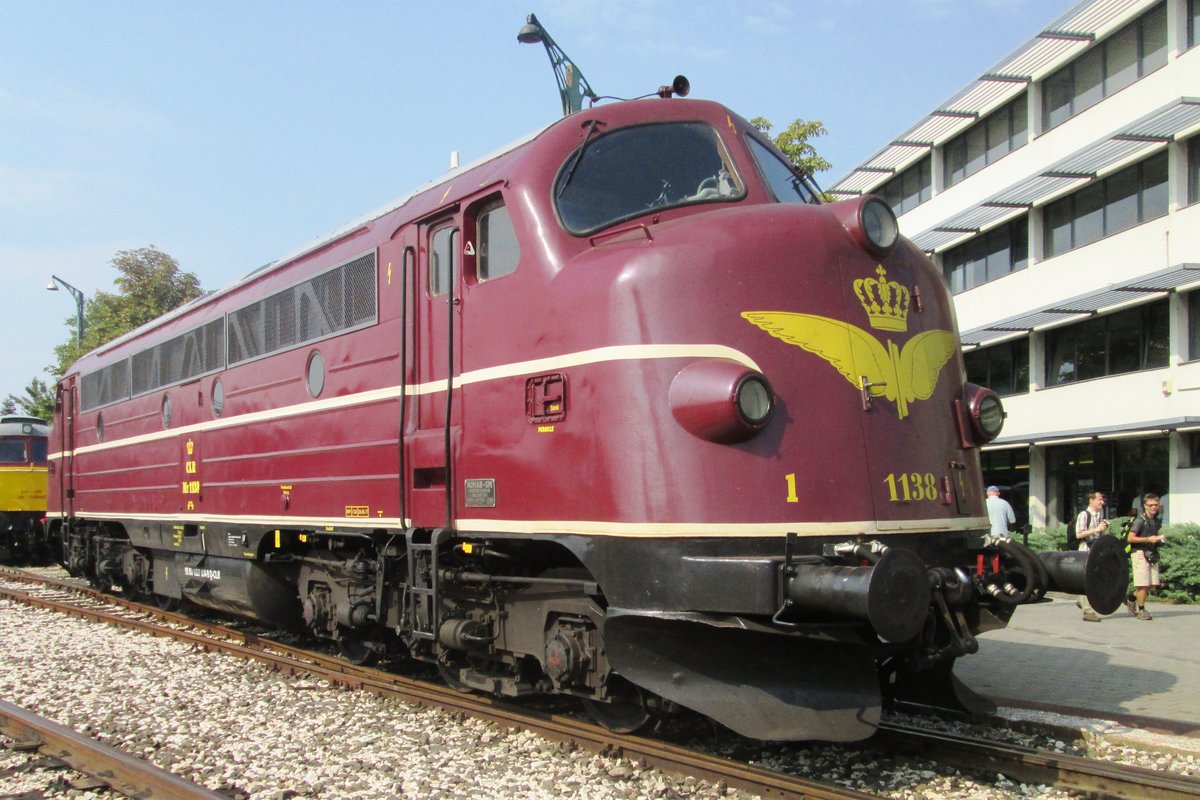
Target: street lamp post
572,86
78,295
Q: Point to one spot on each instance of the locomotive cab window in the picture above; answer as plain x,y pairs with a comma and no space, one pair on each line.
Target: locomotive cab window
785,183
639,170
12,451
499,251
443,259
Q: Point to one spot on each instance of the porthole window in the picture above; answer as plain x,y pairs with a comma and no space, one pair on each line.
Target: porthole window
316,374
100,427
218,397
166,411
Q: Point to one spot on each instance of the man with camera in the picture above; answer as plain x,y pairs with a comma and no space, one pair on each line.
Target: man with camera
1143,556
1090,525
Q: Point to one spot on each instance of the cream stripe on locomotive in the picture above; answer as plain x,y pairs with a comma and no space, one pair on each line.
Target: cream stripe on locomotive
598,355
585,527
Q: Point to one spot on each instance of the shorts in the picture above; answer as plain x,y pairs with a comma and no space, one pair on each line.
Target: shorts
1145,574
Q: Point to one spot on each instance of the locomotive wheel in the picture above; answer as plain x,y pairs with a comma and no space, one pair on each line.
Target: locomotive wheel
450,677
357,652
171,604
627,713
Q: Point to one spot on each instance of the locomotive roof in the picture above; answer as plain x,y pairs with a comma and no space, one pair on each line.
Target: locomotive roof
23,426
318,243
356,224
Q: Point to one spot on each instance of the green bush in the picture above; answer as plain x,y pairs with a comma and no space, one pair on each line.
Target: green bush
1180,553
1181,563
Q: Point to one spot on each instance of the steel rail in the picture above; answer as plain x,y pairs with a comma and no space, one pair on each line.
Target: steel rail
294,661
1098,778
114,768
1102,778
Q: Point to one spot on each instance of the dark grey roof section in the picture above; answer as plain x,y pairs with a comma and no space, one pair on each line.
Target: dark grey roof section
1144,288
1128,143
1159,426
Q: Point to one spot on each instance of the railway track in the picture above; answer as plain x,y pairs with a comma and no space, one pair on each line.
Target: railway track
109,766
1099,778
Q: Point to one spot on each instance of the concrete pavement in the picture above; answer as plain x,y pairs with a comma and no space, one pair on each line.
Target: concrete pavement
1120,667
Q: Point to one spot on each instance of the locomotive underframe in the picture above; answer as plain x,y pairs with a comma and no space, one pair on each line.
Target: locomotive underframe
23,538
514,615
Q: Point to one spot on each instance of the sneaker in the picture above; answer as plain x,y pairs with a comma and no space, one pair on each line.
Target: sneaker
1129,605
1144,614
1091,616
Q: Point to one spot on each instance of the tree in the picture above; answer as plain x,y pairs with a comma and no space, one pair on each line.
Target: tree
794,141
149,284
37,401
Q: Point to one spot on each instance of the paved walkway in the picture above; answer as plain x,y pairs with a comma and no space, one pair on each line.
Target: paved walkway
1048,656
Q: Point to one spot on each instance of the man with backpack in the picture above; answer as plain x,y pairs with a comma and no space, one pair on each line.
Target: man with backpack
1144,538
1090,525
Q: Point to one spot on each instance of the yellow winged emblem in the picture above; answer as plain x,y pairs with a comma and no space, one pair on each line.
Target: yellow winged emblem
900,375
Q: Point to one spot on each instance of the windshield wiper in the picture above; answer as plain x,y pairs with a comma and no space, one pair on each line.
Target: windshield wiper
587,137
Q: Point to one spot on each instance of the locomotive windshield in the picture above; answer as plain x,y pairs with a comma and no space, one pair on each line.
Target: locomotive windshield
785,183
635,170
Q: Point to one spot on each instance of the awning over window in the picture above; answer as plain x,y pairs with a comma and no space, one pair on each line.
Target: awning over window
1144,288
1160,427
1061,41
1131,142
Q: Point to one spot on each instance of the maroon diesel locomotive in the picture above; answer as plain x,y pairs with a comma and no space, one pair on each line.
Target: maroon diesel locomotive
623,412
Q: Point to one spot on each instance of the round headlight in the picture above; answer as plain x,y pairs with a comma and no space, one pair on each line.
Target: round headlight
754,400
985,413
879,224
991,415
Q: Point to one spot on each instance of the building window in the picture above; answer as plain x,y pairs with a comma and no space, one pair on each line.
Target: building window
1127,341
1003,368
1132,53
985,142
1130,197
1193,21
988,256
1009,470
1124,470
1189,454
1193,167
910,188
1193,315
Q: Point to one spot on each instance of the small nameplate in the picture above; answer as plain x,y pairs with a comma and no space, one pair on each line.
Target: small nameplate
480,492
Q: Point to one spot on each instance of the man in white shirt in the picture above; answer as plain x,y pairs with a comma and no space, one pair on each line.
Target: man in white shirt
1090,524
1000,513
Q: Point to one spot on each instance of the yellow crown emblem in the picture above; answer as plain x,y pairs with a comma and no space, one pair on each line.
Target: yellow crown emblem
886,302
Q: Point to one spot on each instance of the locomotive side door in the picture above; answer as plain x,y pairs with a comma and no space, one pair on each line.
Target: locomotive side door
64,481
435,419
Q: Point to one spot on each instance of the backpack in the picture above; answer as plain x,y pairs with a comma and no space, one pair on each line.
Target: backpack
1072,542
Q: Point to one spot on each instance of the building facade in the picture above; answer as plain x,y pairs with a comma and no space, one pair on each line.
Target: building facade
1060,194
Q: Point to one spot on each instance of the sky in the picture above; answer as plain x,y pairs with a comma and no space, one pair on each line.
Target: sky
228,133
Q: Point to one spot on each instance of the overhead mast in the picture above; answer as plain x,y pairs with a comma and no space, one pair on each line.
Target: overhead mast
572,86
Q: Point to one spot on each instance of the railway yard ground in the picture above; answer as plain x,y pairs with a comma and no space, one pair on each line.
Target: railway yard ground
248,732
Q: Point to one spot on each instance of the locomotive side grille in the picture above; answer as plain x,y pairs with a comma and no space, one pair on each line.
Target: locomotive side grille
335,301
360,290
186,356
104,386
